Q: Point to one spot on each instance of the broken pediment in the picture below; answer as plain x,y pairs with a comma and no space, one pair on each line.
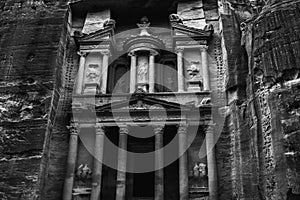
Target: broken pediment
95,21
181,30
103,34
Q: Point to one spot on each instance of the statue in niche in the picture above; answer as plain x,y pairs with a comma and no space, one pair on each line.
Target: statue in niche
83,172
193,71
142,71
92,73
199,178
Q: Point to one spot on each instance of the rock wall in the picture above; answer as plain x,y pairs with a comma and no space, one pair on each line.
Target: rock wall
32,42
256,57
261,39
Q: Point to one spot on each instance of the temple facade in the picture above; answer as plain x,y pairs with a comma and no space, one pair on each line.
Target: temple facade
140,95
149,100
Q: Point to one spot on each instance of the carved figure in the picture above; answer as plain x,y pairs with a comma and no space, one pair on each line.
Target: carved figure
202,169
193,71
92,73
83,172
142,71
144,26
196,170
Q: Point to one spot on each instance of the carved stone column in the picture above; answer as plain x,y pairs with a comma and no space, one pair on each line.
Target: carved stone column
105,57
211,164
205,67
132,72
80,74
159,162
183,165
72,155
179,52
98,158
122,161
152,71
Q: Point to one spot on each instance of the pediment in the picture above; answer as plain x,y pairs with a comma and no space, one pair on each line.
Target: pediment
140,103
101,35
181,30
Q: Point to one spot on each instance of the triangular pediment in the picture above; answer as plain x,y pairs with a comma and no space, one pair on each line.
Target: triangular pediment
139,103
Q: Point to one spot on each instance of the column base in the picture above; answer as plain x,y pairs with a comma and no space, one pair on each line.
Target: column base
91,88
194,86
142,86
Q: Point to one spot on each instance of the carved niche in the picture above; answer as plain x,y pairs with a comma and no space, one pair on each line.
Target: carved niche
92,78
195,80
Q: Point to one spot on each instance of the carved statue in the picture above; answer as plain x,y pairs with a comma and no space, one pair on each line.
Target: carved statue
199,175
202,169
193,70
144,26
142,71
92,73
83,171
196,170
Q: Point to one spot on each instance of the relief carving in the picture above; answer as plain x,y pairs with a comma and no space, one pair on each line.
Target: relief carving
199,176
193,71
195,81
142,70
92,73
83,172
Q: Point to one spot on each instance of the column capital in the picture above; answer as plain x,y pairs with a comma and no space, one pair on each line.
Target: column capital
182,128
73,128
179,50
153,53
131,54
100,129
158,129
123,129
82,53
210,128
105,52
203,48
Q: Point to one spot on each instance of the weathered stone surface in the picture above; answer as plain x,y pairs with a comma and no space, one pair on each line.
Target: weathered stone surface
30,66
257,63
270,63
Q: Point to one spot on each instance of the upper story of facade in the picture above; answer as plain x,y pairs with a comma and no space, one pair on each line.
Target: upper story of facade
159,49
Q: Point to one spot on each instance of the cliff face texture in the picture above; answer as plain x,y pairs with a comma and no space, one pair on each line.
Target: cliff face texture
33,39
258,152
262,43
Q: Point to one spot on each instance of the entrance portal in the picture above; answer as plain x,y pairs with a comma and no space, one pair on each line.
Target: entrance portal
140,185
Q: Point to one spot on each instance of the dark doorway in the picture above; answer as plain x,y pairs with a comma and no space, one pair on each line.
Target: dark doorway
143,184
140,185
